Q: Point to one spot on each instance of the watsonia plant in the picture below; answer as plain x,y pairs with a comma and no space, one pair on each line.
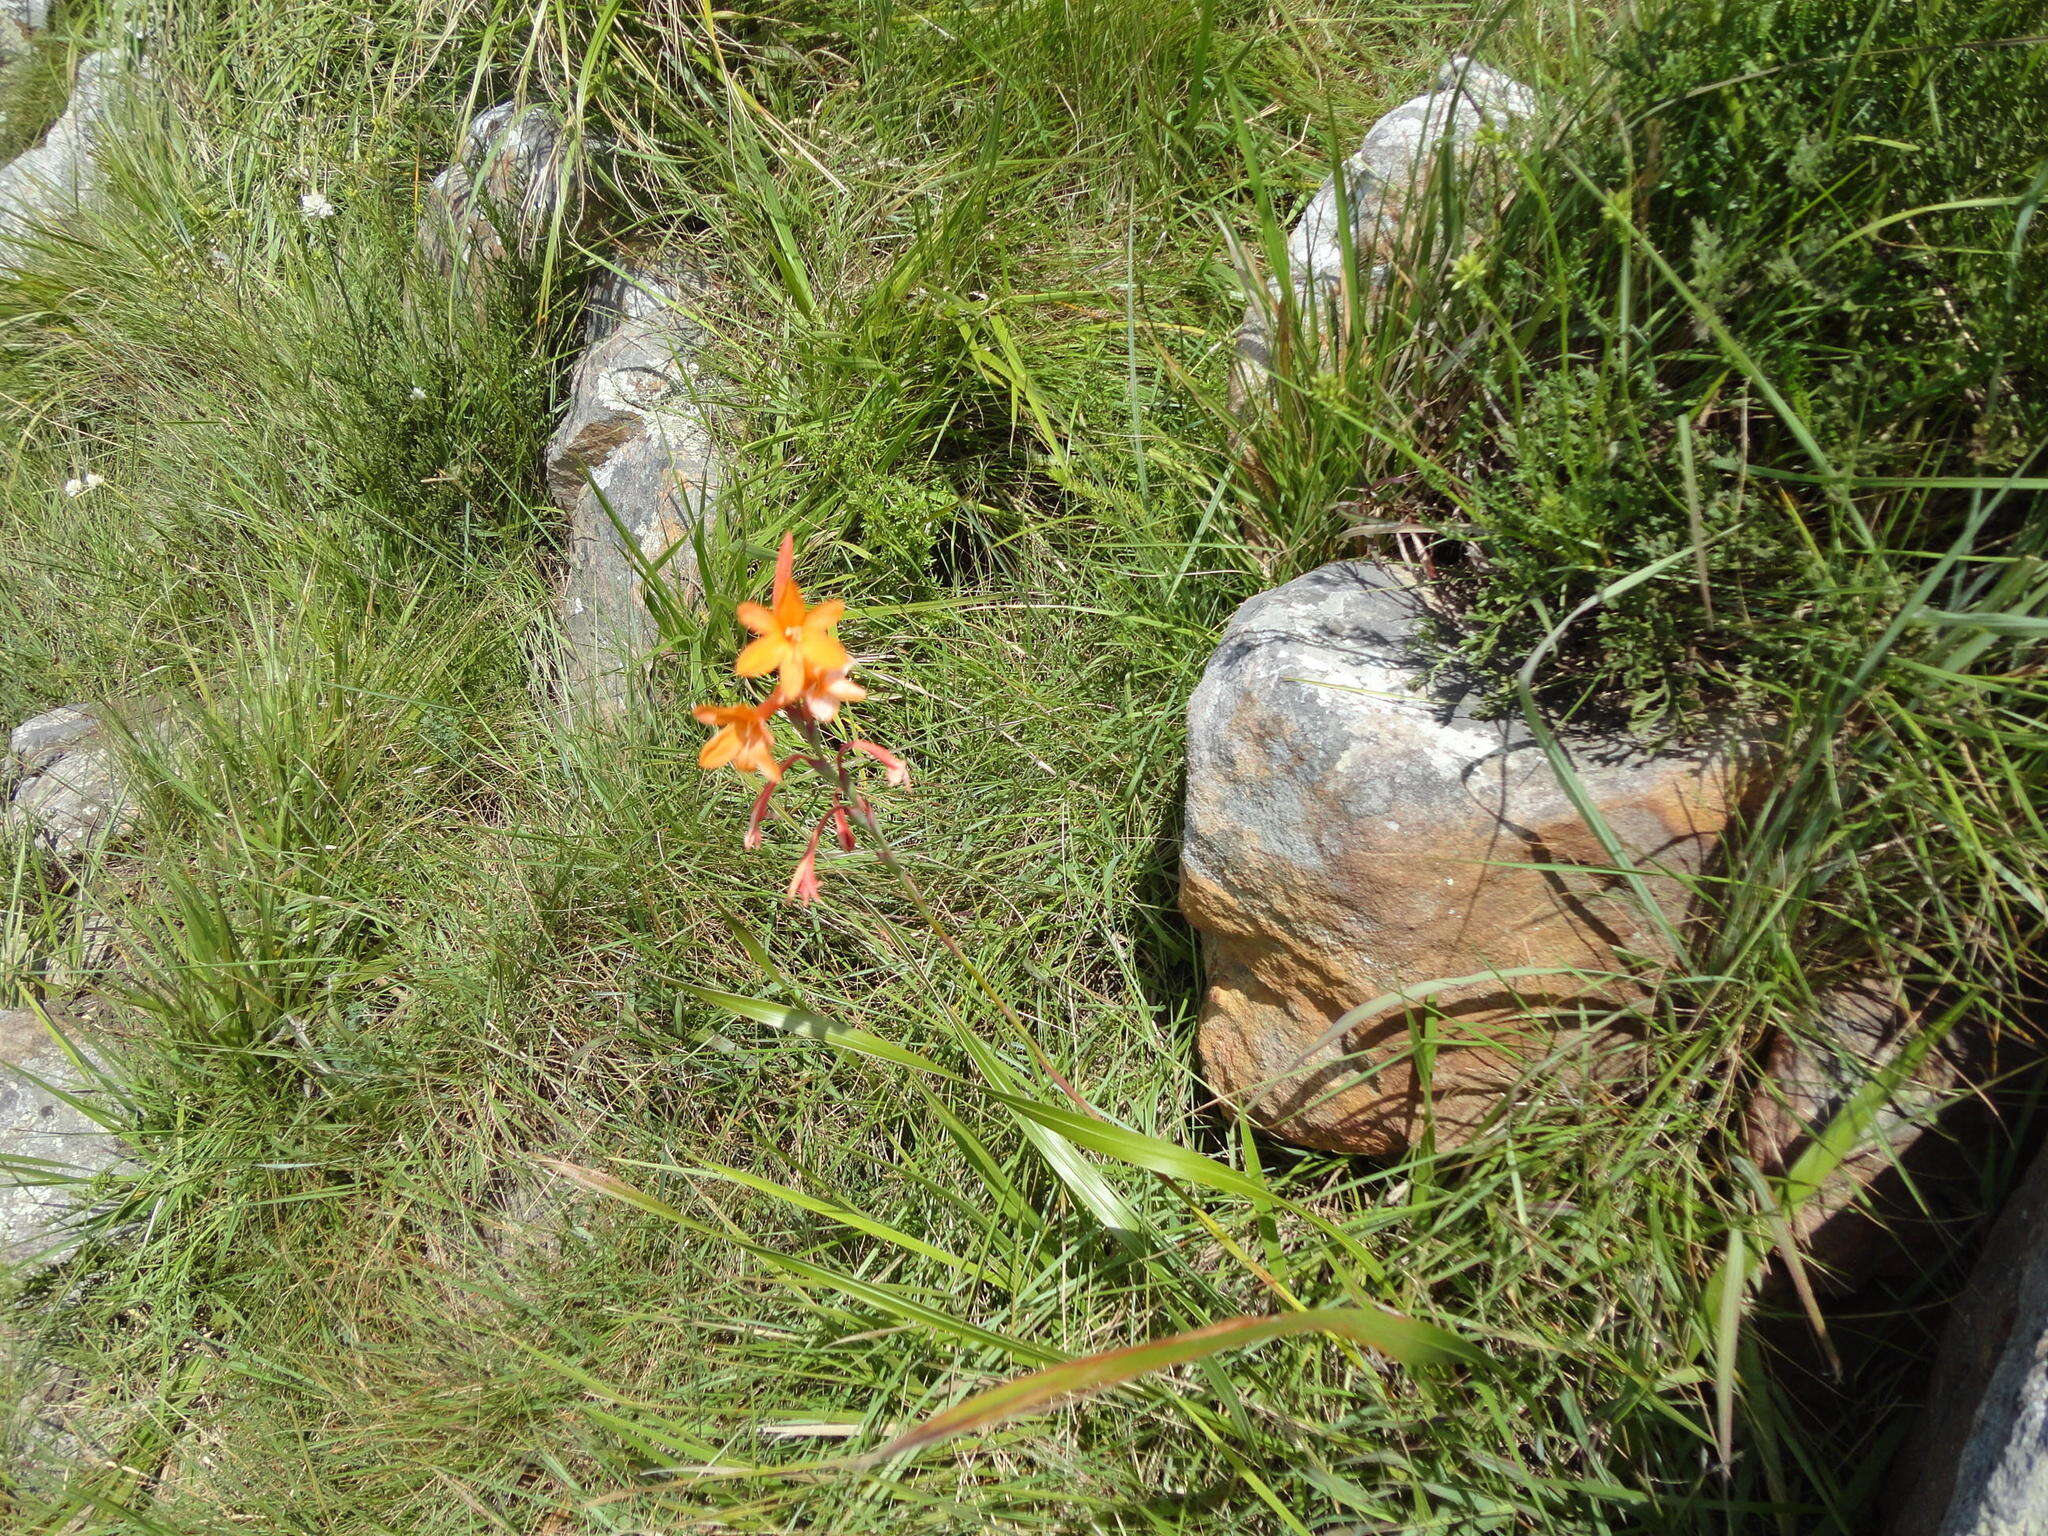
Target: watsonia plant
796,643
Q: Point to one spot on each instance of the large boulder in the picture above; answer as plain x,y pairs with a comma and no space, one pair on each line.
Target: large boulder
1977,1464
1372,192
64,782
635,465
1353,834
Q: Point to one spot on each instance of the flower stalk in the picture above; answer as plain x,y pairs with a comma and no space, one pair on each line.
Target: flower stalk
798,644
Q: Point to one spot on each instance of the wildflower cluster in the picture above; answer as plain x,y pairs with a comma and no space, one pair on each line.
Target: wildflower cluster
796,643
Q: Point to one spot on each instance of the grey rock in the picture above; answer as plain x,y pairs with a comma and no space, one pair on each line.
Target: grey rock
51,734
42,187
501,196
1351,834
635,464
66,781
1977,1464
1392,163
20,21
46,1142
76,952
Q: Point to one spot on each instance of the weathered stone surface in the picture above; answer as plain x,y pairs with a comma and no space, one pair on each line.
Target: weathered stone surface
1393,163
635,464
1348,835
1977,1464
43,186
1878,1213
20,21
42,1136
502,195
66,781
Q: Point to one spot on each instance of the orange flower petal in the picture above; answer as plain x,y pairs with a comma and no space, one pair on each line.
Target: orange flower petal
826,614
720,749
789,607
762,656
785,565
756,618
823,652
759,757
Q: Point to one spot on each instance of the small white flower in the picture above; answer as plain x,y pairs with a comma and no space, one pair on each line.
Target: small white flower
220,259
78,485
418,393
313,205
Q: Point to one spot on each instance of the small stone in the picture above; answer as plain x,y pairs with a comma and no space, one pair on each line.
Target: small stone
1394,162
40,1126
20,21
1879,1213
41,187
1351,833
501,196
67,783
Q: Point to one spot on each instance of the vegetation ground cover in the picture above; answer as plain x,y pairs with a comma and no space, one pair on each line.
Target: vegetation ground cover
406,945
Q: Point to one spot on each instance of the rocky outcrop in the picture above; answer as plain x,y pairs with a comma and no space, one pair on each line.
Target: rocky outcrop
635,465
1352,834
1394,162
65,783
1977,1464
515,177
43,186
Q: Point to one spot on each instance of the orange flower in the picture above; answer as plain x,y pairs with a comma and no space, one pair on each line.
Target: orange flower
795,640
742,739
824,692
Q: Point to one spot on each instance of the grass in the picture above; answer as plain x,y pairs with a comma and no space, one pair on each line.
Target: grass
415,973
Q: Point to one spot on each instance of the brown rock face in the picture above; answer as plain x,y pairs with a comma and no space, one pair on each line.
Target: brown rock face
1349,838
